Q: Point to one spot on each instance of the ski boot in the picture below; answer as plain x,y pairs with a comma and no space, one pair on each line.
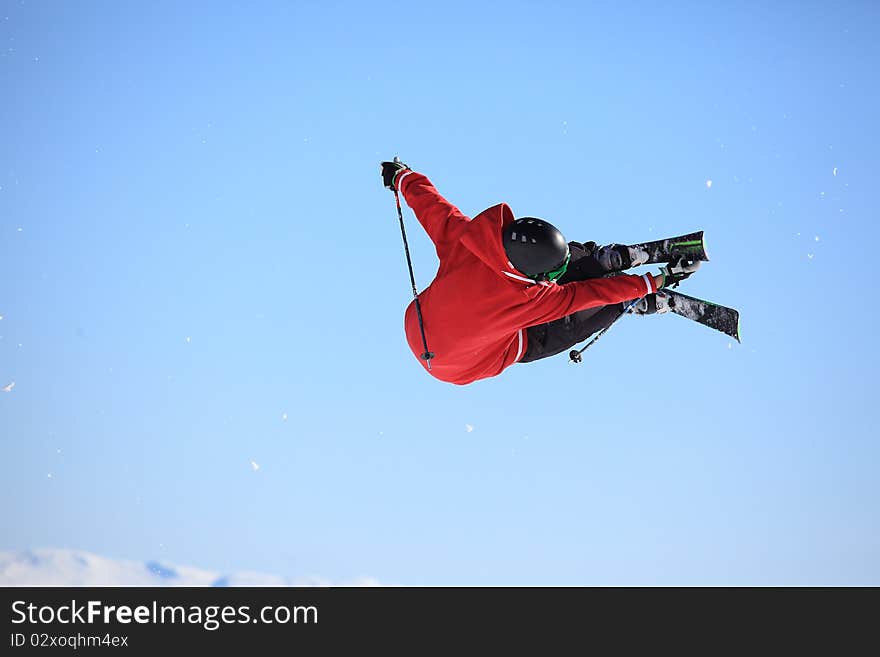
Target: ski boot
652,304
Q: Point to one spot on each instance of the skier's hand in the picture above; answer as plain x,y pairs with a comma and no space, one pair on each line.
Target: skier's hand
677,271
390,171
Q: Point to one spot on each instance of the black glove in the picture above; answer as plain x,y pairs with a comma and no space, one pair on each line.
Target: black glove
390,171
678,270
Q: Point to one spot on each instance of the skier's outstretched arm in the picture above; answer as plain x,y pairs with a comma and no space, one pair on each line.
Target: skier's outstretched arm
562,300
438,217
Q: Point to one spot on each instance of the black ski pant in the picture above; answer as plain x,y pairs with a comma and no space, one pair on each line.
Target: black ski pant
552,338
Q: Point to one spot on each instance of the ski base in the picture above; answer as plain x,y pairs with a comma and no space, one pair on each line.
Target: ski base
691,246
715,316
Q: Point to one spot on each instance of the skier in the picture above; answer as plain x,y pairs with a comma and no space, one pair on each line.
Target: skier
513,290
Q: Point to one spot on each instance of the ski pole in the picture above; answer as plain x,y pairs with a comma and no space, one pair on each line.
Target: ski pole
575,354
427,356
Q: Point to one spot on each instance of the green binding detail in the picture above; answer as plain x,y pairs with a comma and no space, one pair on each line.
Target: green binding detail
692,244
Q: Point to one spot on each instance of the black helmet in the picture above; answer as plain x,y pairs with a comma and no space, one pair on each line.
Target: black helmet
536,248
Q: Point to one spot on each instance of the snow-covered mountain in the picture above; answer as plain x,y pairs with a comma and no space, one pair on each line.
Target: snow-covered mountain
62,567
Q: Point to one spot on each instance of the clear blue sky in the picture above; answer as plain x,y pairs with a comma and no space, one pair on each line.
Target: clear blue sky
195,242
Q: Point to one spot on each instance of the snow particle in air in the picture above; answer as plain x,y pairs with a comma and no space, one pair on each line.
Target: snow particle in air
834,171
469,428
708,184
8,387
284,416
255,466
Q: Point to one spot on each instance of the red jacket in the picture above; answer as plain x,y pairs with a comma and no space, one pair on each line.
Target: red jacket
477,308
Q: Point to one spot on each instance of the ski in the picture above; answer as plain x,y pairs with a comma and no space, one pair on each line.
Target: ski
692,246
713,315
